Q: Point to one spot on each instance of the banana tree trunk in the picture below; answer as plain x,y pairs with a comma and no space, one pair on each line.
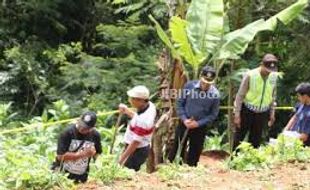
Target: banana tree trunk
155,156
173,79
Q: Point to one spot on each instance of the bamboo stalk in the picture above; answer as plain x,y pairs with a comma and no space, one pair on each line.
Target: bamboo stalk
118,122
230,111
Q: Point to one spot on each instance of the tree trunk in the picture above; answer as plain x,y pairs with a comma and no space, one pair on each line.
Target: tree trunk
231,92
172,80
157,139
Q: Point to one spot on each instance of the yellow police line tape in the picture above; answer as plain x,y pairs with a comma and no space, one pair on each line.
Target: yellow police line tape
277,108
35,125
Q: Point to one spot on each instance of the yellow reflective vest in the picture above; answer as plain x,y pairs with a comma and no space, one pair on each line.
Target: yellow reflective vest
260,93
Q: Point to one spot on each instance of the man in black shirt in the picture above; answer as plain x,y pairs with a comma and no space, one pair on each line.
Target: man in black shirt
77,144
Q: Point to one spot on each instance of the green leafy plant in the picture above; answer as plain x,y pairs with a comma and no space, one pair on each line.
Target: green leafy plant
248,158
202,37
27,165
106,169
290,149
216,142
285,150
173,171
6,114
60,110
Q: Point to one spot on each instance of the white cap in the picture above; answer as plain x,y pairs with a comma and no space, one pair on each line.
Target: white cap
139,92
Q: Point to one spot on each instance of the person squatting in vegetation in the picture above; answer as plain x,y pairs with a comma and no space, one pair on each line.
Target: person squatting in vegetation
254,106
197,107
140,128
299,125
77,144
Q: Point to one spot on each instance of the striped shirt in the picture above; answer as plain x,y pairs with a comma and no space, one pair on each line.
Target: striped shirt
141,126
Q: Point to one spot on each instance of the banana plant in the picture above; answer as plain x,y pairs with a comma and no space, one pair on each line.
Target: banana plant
202,36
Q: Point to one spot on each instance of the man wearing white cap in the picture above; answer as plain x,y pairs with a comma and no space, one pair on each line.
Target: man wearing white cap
140,128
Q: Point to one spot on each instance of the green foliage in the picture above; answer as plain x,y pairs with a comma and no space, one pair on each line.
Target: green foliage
6,114
216,142
88,53
174,171
290,149
65,54
285,150
164,37
91,81
26,157
287,15
137,10
177,27
205,25
30,173
26,80
60,110
113,42
71,51
26,162
248,158
49,21
207,38
236,42
169,172
107,170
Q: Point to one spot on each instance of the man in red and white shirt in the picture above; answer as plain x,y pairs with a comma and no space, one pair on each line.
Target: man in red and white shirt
140,128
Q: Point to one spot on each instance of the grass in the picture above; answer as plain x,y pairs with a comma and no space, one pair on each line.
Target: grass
172,171
107,170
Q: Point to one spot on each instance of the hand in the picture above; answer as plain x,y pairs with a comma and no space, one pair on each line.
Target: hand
271,120
286,128
191,124
194,124
237,121
122,108
187,122
121,161
89,152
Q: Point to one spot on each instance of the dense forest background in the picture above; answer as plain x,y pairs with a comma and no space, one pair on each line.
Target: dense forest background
88,53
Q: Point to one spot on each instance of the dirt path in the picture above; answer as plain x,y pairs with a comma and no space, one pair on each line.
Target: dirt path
212,175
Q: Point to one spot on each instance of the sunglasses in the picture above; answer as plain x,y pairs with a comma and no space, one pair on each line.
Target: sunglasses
270,62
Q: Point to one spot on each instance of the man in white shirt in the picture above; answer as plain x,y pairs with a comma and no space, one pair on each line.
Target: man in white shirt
140,128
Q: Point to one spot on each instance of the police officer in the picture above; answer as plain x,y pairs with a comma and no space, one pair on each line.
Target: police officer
197,107
255,101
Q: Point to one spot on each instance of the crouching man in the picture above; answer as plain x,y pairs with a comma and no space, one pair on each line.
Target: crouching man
299,124
140,128
77,144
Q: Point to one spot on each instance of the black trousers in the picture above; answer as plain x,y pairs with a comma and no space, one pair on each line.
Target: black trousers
56,166
78,178
253,123
196,139
137,158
